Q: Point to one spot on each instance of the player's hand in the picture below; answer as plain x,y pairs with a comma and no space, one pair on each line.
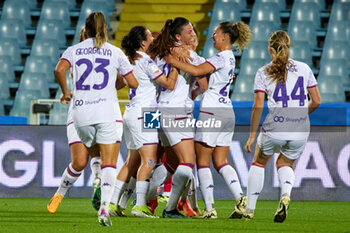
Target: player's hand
169,59
182,54
66,97
249,144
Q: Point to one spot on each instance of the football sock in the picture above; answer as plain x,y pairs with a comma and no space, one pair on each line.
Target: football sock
128,192
141,192
255,184
286,179
69,177
206,185
192,194
119,188
108,178
95,165
230,176
159,175
180,178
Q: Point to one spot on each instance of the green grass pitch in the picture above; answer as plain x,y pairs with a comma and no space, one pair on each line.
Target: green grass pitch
77,215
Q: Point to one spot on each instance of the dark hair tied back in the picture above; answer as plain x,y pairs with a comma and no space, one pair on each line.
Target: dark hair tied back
132,41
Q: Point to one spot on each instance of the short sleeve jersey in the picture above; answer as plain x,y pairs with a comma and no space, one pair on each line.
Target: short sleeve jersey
181,95
94,76
220,80
146,71
288,104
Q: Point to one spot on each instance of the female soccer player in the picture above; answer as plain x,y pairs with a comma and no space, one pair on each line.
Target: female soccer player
216,105
176,105
96,109
139,142
286,83
80,157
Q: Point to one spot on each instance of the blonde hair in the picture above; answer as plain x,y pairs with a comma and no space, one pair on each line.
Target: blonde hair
96,27
240,33
279,43
82,35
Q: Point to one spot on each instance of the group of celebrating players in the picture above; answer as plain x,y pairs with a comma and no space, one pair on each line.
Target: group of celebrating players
166,73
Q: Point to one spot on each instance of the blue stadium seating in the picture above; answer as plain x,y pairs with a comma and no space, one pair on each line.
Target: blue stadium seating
257,50
13,29
338,50
56,10
306,12
108,3
58,118
21,104
340,12
262,30
6,66
2,108
70,3
281,3
244,84
17,9
9,47
303,32
320,3
33,4
338,31
4,88
301,51
35,81
40,64
331,90
208,49
249,67
8,77
268,11
337,67
52,29
242,3
242,96
46,47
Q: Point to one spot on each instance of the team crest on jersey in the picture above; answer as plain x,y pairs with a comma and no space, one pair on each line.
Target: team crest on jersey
151,119
155,69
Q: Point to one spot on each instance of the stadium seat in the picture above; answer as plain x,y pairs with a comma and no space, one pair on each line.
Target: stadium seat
338,31
337,67
320,3
52,29
208,49
6,66
242,96
4,88
13,29
301,51
250,66
229,11
40,64
21,104
70,3
242,3
35,81
244,84
262,30
31,3
335,78
331,91
46,47
281,4
108,3
268,11
9,77
9,47
257,50
2,108
18,9
56,10
302,32
306,12
340,12
91,6
336,50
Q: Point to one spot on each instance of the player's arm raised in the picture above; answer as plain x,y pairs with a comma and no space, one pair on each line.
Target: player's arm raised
60,75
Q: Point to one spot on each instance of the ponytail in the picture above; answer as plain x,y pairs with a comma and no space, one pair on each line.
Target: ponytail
166,40
240,33
96,27
279,43
132,41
